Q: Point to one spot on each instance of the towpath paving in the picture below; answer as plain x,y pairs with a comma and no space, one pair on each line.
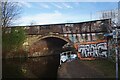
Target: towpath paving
77,69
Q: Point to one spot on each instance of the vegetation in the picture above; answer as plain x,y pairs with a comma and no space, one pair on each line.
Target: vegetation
12,38
12,41
10,11
105,67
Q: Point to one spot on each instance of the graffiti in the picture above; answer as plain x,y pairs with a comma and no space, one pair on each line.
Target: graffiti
93,50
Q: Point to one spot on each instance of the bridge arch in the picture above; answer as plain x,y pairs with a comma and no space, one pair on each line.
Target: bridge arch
61,40
48,43
56,36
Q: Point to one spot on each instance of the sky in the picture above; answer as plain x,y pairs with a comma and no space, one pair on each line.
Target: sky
40,13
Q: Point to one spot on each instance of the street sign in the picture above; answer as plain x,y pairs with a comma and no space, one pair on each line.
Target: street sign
108,34
116,33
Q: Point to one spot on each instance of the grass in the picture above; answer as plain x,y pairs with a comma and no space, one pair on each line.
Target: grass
104,66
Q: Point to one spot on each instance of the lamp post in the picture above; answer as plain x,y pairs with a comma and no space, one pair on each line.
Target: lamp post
116,50
115,36
115,33
116,40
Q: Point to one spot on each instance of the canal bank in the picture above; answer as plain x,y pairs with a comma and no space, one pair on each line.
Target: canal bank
30,68
87,69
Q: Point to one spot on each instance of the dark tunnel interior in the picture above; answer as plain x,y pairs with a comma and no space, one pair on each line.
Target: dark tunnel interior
54,42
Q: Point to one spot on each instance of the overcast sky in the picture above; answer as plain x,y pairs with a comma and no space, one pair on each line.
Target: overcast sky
61,12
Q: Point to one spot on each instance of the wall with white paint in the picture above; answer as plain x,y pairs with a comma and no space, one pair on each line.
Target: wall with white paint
93,50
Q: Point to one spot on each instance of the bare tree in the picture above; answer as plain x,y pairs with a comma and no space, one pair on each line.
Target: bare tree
9,12
32,23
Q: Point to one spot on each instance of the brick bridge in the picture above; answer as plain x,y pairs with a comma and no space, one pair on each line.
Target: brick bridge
40,37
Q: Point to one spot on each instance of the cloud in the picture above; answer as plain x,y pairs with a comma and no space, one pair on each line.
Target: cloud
65,0
23,3
66,5
57,5
77,3
61,5
51,18
45,5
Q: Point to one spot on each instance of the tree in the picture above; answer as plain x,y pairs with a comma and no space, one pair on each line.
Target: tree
13,40
32,23
10,11
12,37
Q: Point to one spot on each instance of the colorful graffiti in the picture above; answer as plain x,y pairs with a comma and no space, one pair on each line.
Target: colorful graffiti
81,37
92,49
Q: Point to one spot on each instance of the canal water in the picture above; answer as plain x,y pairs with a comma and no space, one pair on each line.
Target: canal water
39,67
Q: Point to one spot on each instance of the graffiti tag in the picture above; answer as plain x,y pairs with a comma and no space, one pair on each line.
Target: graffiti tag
93,50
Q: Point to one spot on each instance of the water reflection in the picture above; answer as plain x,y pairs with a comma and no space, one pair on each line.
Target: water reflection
37,67
40,67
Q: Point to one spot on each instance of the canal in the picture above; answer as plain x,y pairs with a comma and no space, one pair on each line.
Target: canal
39,67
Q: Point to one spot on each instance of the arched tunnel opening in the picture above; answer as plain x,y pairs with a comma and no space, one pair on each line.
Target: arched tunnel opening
54,43
48,46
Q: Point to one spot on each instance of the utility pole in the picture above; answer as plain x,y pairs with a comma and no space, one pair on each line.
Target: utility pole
115,36
116,50
116,40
